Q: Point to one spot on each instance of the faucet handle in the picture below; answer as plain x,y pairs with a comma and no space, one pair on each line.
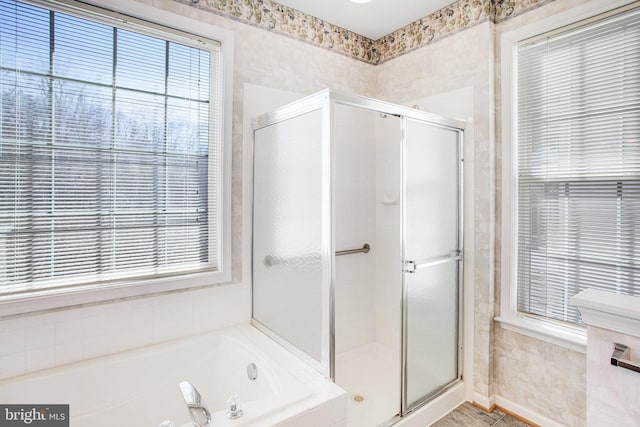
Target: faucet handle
233,407
198,410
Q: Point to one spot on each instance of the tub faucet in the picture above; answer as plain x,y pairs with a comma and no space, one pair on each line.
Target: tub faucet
198,410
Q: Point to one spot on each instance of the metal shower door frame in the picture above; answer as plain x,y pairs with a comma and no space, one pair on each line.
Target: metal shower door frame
405,114
319,101
326,101
457,126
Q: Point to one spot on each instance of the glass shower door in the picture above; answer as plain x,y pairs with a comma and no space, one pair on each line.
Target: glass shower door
432,258
292,244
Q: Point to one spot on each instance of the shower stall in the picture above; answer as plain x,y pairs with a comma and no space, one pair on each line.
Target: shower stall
357,247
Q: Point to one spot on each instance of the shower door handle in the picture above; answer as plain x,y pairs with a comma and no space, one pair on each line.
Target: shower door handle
412,266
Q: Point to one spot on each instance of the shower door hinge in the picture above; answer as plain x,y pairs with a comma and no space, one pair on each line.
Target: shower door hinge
410,267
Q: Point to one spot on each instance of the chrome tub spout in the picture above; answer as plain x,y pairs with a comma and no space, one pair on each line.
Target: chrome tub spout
198,410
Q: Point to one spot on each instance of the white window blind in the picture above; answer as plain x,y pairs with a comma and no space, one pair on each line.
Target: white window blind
108,141
578,144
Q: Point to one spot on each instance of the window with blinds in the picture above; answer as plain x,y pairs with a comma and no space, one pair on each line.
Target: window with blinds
108,136
578,162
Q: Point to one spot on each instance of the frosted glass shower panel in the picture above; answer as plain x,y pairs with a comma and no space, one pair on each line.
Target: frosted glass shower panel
432,339
287,236
432,191
433,258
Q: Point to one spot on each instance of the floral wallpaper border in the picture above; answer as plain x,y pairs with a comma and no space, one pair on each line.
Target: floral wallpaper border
284,20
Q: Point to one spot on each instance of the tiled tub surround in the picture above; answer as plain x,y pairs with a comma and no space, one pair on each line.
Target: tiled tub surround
50,339
140,387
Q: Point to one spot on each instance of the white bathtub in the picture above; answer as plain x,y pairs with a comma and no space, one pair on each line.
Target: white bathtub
140,387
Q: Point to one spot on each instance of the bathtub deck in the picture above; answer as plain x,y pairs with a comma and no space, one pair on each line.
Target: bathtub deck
139,387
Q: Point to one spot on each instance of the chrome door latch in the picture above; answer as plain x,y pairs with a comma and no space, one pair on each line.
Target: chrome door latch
410,267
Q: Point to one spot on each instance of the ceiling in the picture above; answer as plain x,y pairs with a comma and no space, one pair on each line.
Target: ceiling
373,20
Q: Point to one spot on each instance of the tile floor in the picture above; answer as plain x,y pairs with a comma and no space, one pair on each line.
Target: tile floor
467,415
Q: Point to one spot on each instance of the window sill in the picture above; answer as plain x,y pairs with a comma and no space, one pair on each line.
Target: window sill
564,336
57,298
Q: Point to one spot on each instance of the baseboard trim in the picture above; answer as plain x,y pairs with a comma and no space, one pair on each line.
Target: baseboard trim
517,416
479,406
483,402
524,414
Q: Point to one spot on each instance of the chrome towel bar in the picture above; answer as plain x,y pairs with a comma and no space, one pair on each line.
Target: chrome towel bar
364,249
622,357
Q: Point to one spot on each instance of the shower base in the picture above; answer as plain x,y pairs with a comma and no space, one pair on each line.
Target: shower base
371,376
